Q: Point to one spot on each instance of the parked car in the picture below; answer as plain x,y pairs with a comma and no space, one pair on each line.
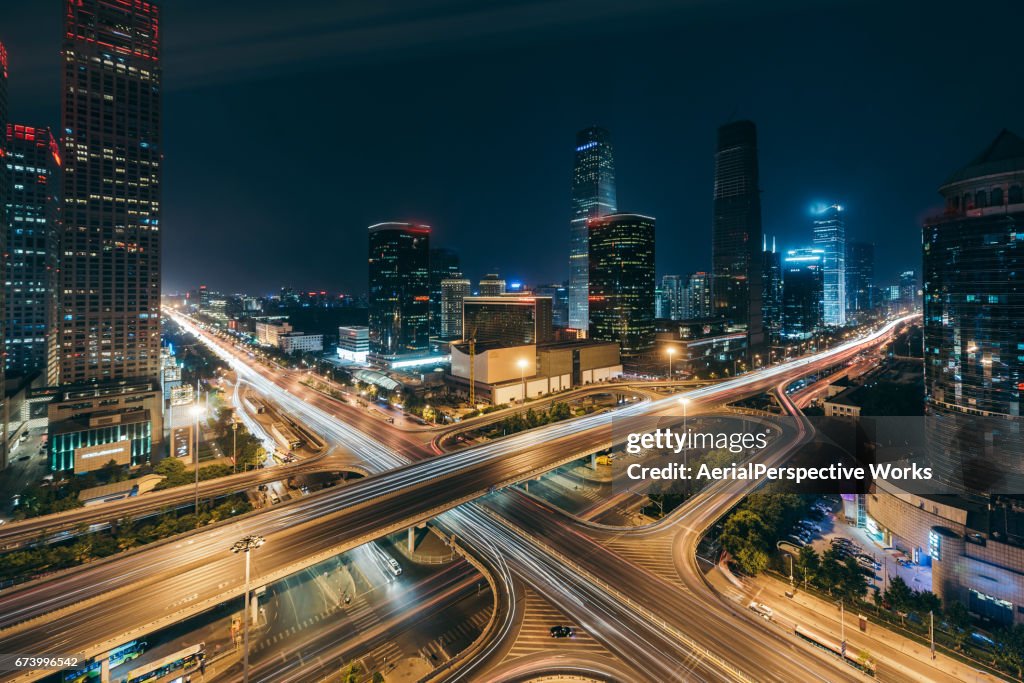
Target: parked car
562,632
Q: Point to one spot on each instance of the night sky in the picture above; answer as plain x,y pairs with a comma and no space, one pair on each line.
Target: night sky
287,131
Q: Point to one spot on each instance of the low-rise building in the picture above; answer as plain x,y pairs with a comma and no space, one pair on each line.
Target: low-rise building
90,425
268,332
354,343
504,374
300,342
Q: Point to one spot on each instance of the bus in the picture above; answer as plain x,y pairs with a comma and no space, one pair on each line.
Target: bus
285,436
118,656
186,661
867,665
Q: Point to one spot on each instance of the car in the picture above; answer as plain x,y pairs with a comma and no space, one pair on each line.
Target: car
810,525
796,540
761,609
562,632
24,458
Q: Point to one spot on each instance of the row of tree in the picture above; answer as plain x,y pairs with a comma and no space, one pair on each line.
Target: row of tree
124,535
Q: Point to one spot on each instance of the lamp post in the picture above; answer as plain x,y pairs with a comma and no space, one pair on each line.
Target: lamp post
522,363
686,453
246,545
671,351
197,412
234,446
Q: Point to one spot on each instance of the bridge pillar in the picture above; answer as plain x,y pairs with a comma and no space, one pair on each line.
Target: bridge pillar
105,668
593,461
254,606
412,539
526,485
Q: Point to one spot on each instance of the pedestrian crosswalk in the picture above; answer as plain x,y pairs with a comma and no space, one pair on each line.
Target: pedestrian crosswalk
455,639
653,553
535,632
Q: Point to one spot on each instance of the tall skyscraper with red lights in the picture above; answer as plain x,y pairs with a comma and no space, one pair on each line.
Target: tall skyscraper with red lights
109,316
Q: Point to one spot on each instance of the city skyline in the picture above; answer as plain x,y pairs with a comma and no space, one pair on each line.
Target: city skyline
660,147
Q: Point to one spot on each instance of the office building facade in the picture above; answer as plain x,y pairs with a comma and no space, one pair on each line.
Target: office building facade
771,299
444,264
453,292
492,284
974,323
803,286
671,296
860,278
736,230
109,314
508,320
622,281
698,301
593,196
830,236
32,166
399,289
559,293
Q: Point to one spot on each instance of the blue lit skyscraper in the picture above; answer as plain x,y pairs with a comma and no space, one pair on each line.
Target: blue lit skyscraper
803,281
593,196
830,237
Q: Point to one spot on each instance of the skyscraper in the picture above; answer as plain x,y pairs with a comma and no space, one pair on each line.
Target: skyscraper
673,290
736,231
830,237
699,301
444,264
593,195
559,293
32,164
5,189
399,288
803,280
453,293
908,290
860,277
974,323
771,303
622,281
109,315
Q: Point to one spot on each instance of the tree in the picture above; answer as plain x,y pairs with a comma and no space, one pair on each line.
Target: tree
830,573
959,620
751,560
744,529
852,583
1010,652
899,596
808,563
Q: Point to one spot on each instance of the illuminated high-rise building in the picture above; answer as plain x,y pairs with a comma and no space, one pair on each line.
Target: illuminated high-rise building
736,230
492,284
5,190
860,278
593,195
698,302
30,269
510,320
444,264
622,281
830,237
974,323
109,313
399,289
803,283
453,293
771,299
671,295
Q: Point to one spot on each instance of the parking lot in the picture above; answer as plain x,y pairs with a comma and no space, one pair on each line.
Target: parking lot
884,562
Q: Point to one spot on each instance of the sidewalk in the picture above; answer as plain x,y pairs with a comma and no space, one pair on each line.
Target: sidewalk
889,649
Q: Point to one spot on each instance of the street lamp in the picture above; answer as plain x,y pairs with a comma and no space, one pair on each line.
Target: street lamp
245,545
522,363
197,412
671,351
683,401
